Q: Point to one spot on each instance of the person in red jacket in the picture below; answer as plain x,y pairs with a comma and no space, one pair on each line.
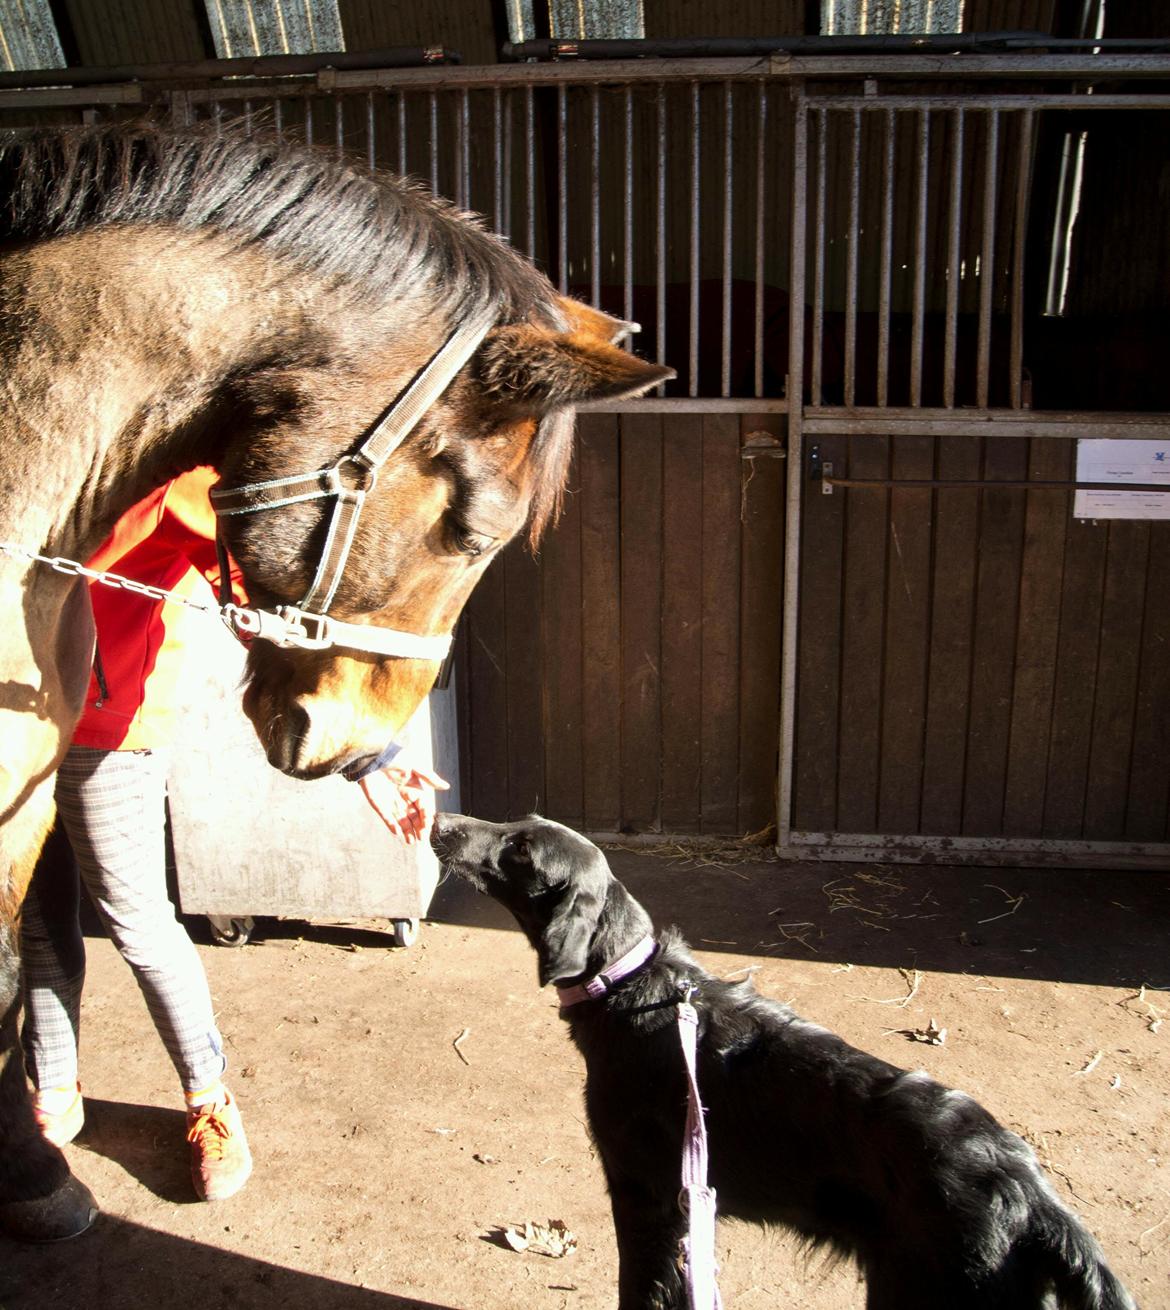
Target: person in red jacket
110,836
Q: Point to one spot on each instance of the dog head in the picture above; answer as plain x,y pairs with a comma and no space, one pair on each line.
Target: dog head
554,881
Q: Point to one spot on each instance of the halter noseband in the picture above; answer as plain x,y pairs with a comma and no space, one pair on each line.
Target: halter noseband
306,625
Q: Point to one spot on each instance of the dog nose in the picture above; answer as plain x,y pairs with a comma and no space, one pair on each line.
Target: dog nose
440,829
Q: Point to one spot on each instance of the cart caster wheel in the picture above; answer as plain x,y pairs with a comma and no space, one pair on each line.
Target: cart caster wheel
230,930
405,931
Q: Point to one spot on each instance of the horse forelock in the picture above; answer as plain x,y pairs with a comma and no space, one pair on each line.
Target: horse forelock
377,237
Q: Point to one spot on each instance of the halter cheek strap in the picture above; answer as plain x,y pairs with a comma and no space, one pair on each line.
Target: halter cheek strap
348,482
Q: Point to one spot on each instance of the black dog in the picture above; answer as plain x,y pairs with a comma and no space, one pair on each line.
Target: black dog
941,1207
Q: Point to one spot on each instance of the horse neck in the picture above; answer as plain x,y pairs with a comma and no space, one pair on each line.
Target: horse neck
116,346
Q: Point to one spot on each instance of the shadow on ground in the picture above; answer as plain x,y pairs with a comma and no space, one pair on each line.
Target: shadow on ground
1105,928
123,1266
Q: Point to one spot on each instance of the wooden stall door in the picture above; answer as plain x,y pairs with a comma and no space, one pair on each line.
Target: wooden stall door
626,679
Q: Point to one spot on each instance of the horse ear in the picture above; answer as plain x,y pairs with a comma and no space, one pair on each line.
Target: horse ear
596,323
539,370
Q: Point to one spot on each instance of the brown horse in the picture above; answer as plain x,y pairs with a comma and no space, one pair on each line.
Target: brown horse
168,300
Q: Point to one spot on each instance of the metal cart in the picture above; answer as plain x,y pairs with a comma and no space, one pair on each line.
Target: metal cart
249,840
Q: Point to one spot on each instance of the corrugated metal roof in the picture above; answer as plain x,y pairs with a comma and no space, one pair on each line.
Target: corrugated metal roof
241,28
28,36
882,17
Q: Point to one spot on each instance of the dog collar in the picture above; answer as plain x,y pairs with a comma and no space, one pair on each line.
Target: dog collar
604,981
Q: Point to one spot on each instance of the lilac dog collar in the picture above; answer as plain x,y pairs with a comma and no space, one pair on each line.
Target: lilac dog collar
603,982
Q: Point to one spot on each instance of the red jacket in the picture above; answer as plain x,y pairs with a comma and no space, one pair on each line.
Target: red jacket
166,540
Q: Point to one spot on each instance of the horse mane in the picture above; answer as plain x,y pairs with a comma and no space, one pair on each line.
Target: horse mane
372,235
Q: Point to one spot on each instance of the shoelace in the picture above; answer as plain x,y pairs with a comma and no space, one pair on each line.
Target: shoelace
210,1130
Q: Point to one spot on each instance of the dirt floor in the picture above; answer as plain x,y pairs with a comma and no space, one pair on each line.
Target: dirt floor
406,1105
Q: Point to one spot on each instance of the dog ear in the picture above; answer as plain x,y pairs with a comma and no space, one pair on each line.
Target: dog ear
563,949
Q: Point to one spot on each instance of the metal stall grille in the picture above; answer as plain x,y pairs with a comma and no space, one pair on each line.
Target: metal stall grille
973,673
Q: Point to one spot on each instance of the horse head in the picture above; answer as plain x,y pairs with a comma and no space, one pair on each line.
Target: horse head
486,462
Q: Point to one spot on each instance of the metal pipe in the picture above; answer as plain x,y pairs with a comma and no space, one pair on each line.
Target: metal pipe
851,256
886,259
987,258
795,484
562,191
434,141
464,151
530,172
954,259
628,212
696,129
401,132
595,197
761,135
308,120
339,125
371,145
497,160
728,178
1023,193
817,345
918,311
660,271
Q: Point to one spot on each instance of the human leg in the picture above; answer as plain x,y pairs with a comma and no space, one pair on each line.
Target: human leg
112,803
53,960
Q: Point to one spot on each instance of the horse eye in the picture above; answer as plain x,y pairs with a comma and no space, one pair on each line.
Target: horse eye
521,849
468,542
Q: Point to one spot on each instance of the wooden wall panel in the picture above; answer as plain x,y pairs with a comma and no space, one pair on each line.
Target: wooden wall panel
906,646
997,591
720,598
761,598
862,636
597,462
818,706
641,610
1148,808
682,624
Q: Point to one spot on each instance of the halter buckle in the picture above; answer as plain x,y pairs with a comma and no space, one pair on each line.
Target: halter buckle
304,631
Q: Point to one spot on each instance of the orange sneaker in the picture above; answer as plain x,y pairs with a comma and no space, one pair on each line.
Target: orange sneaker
220,1159
59,1115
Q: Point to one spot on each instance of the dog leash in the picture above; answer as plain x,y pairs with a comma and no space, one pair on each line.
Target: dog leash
697,1198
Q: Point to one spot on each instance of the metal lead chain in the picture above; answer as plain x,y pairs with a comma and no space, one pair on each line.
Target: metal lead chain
71,568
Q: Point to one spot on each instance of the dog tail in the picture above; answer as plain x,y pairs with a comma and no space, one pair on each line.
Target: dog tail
1075,1263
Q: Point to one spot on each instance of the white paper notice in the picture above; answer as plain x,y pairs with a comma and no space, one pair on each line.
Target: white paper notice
1123,461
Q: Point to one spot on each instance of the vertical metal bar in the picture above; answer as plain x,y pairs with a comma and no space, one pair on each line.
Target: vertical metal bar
693,358
562,189
465,148
852,259
497,160
728,180
371,132
795,394
729,157
761,131
987,257
660,271
278,117
339,125
918,314
401,132
817,345
508,165
247,118
954,258
217,117
530,150
434,106
628,215
308,120
1023,192
886,268
595,197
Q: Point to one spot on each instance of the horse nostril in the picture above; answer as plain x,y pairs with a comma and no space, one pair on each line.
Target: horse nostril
296,732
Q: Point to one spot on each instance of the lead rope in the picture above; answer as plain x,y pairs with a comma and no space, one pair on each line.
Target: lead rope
698,1245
